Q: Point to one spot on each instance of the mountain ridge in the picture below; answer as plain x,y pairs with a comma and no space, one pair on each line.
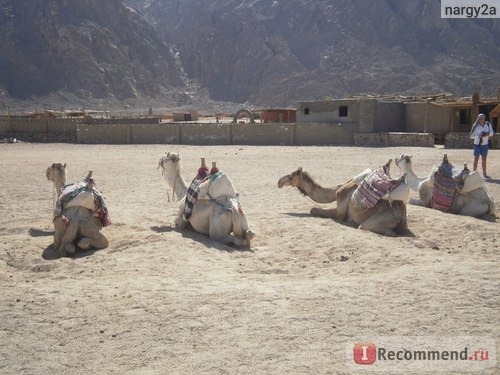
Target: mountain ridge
260,52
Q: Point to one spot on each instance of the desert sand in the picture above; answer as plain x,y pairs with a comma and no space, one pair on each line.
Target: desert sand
159,300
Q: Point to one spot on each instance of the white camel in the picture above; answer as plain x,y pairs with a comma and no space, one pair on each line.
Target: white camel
472,197
216,213
79,217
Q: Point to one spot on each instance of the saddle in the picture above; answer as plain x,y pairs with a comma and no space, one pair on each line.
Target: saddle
447,185
81,194
374,187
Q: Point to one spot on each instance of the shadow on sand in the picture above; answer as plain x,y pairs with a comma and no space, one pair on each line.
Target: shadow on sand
189,232
35,232
49,253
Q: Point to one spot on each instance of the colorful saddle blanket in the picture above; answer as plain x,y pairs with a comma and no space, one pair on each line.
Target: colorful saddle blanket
72,192
446,187
374,187
193,191
192,197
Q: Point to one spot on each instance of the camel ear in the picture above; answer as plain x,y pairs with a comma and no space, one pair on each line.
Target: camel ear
168,153
64,166
299,170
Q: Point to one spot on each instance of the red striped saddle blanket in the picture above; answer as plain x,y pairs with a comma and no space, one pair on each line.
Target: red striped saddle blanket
446,187
374,187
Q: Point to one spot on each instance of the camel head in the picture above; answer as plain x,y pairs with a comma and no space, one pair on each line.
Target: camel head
170,162
291,179
402,160
56,172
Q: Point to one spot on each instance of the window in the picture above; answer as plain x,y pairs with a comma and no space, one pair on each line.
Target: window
343,111
465,116
306,111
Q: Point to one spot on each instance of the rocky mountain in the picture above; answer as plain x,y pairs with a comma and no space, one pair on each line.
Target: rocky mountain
86,49
261,52
273,52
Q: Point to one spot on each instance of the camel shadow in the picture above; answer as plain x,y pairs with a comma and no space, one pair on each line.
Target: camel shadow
162,229
297,214
49,253
190,233
404,233
34,232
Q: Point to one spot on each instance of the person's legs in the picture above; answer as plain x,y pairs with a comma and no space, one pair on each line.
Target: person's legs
483,164
484,154
477,151
476,160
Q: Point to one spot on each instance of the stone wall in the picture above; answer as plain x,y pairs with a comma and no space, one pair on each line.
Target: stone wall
462,140
68,130
394,139
39,130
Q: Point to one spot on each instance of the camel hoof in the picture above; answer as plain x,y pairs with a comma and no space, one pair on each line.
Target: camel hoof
70,249
249,235
315,211
180,223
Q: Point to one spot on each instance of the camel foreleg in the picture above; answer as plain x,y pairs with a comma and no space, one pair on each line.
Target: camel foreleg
66,245
388,222
91,236
332,213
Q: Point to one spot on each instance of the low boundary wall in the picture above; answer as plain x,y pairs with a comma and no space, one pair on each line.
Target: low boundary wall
217,134
40,129
394,139
462,140
313,134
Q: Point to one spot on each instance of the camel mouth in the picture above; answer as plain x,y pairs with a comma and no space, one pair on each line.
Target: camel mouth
284,181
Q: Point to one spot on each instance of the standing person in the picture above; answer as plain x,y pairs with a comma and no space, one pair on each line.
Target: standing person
481,131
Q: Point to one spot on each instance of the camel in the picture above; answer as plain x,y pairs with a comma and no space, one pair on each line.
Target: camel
79,217
216,213
57,174
472,197
386,217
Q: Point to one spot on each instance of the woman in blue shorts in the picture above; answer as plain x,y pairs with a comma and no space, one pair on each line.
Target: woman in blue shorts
481,131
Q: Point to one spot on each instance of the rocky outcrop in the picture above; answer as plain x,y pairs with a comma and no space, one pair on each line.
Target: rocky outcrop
90,48
274,52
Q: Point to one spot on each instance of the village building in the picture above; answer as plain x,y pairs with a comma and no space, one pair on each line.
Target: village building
438,115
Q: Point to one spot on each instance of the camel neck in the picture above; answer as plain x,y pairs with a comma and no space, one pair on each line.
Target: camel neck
316,192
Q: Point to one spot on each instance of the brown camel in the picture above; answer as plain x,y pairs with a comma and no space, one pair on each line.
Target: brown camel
386,217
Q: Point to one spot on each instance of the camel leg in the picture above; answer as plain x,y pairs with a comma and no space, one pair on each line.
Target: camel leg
343,201
99,242
92,236
475,209
382,223
332,213
59,230
66,245
221,227
248,234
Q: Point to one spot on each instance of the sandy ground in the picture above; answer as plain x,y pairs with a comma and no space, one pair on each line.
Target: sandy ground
158,300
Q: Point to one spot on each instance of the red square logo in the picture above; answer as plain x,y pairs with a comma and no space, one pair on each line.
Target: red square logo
365,353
